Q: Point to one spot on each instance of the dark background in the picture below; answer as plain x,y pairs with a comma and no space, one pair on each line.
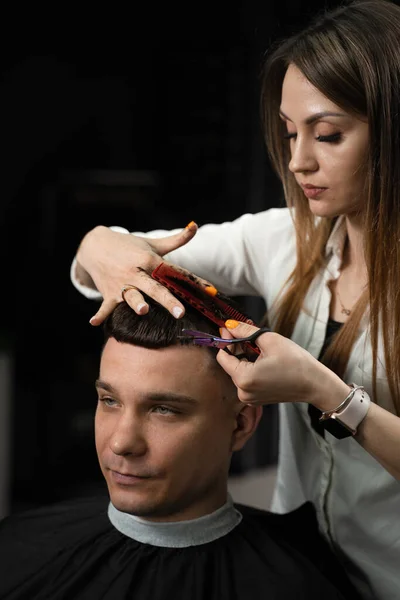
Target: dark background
147,118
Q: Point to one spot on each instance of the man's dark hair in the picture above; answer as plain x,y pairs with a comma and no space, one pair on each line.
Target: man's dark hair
157,329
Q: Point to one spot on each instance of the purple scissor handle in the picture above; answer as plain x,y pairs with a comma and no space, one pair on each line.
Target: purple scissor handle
201,338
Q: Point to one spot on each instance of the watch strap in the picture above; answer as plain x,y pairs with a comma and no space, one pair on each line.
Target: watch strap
344,420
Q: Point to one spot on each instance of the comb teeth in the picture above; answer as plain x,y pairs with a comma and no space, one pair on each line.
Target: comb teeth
216,309
238,316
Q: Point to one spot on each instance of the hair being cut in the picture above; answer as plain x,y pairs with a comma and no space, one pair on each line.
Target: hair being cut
351,55
157,329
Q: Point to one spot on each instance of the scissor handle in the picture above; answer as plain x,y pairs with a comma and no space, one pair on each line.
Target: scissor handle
255,335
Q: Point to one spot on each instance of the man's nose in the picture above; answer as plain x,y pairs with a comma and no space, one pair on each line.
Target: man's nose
302,156
128,437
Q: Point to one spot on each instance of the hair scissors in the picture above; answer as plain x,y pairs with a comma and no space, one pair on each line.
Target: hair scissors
207,339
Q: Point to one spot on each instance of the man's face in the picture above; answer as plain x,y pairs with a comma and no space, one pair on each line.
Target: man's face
165,428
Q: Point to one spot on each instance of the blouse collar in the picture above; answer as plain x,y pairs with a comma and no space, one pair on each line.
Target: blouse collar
337,238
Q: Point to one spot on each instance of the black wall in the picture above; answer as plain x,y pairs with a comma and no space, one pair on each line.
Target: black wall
147,119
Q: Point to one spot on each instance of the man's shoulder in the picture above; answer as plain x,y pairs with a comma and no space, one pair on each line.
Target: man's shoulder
52,519
302,518
296,532
33,540
298,538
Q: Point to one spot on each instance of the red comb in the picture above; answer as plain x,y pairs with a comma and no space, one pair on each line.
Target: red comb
185,286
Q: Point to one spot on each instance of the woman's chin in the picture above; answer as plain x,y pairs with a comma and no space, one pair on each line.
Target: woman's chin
322,209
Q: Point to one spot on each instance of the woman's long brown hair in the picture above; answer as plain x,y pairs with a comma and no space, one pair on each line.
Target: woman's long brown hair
352,55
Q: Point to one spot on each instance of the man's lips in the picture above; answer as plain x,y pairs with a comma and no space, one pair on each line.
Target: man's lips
135,475
127,478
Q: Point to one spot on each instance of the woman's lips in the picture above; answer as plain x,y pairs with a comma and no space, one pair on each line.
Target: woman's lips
311,191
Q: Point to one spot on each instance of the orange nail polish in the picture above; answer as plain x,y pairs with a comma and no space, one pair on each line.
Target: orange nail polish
231,324
211,290
190,225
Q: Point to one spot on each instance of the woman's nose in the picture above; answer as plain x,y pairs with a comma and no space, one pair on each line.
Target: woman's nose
302,156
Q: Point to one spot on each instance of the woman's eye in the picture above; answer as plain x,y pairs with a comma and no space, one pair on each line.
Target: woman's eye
334,137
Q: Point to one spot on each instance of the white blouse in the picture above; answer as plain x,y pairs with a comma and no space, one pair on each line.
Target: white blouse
356,499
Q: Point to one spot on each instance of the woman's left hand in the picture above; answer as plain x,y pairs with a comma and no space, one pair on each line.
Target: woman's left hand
284,372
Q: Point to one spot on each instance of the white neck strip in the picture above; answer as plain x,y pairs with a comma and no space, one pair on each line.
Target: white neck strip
179,534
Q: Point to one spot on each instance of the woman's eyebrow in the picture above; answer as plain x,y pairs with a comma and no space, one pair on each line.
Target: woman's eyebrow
316,117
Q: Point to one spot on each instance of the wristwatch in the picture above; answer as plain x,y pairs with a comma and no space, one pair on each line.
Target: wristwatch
344,420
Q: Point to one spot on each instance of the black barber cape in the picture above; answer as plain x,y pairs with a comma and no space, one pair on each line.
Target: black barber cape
72,551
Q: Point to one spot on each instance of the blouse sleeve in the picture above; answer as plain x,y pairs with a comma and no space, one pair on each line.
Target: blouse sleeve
234,256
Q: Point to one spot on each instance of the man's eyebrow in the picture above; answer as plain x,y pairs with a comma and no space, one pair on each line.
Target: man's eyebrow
153,396
105,386
313,118
172,397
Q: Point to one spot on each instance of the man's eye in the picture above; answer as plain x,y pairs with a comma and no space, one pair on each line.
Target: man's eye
109,402
165,410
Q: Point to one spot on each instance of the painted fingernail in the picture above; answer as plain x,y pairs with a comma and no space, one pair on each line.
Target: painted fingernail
211,290
92,320
191,225
177,311
231,324
140,307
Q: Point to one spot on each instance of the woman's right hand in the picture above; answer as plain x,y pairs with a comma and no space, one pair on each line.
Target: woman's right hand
108,260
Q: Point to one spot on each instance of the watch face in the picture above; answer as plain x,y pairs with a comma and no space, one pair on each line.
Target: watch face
336,428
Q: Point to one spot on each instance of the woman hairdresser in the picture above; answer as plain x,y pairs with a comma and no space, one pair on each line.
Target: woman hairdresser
328,267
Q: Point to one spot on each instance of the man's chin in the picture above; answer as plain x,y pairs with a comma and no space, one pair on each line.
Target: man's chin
145,508
131,506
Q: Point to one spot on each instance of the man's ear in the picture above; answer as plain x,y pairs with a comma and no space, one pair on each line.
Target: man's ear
247,420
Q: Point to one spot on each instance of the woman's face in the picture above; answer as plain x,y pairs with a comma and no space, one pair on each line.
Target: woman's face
328,148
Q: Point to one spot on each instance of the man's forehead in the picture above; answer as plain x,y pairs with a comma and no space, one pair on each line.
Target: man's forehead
174,366
181,353
177,352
